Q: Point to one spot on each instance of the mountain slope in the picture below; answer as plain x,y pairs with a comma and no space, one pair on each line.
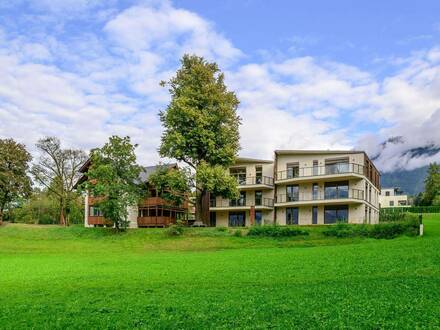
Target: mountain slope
410,182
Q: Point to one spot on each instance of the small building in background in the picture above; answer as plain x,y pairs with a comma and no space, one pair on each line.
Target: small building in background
393,197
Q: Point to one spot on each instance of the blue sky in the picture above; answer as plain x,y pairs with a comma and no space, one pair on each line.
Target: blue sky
309,74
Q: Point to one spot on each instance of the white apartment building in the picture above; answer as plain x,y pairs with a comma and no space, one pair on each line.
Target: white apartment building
301,188
393,197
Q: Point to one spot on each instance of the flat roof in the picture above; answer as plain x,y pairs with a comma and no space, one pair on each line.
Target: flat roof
336,152
252,160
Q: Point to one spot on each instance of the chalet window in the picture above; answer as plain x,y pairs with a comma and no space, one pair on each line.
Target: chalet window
387,193
337,213
94,211
239,202
391,203
212,219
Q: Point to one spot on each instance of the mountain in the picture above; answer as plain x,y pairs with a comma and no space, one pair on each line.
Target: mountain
410,181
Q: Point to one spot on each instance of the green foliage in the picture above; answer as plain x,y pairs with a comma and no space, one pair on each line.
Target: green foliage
200,123
175,230
201,126
237,233
412,209
43,208
113,176
172,184
276,231
409,225
217,181
432,185
57,170
14,180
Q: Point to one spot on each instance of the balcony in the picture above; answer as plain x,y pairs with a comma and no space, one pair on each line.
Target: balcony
258,182
337,170
331,197
241,204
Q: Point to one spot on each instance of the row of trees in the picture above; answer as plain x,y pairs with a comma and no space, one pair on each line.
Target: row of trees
200,131
49,180
431,195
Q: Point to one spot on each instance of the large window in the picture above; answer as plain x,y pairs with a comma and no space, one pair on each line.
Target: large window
335,190
239,174
292,215
241,201
292,193
292,170
258,218
237,219
314,215
258,198
212,219
336,166
337,213
315,168
258,174
315,190
95,212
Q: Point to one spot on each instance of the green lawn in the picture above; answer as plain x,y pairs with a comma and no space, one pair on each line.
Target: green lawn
81,278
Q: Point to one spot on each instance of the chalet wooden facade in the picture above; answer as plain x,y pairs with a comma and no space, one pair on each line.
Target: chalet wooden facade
152,211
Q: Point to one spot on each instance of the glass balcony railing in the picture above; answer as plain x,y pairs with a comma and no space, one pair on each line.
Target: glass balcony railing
329,169
327,195
266,202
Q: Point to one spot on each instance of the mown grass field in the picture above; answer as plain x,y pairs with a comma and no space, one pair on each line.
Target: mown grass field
81,278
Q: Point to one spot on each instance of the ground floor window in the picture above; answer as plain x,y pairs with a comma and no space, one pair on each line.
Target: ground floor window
258,218
314,215
237,219
336,213
212,219
292,215
95,212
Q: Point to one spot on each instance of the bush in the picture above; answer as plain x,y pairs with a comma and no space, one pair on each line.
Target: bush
238,233
388,230
175,230
222,229
276,231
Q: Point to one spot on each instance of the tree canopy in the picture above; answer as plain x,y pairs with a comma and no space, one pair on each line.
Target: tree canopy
432,185
57,171
201,126
14,166
113,177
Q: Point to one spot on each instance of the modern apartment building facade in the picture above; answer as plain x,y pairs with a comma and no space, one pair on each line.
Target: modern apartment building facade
303,188
393,197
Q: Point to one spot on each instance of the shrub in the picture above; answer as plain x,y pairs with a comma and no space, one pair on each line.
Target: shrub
276,231
238,233
175,230
222,229
409,226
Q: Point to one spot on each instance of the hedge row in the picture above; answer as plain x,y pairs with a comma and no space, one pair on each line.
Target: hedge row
409,227
275,231
411,209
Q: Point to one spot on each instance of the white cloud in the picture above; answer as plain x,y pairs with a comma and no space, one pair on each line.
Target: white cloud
88,86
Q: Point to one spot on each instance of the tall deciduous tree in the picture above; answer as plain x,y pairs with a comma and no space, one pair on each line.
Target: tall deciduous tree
14,180
113,177
201,126
432,184
57,170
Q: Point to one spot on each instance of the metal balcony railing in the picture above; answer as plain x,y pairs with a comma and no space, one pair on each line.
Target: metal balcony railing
330,169
267,202
329,195
248,181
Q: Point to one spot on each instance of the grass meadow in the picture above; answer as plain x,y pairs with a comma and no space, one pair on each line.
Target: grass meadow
78,278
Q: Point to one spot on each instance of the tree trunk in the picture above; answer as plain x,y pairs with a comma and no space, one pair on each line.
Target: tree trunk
62,219
1,216
199,206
